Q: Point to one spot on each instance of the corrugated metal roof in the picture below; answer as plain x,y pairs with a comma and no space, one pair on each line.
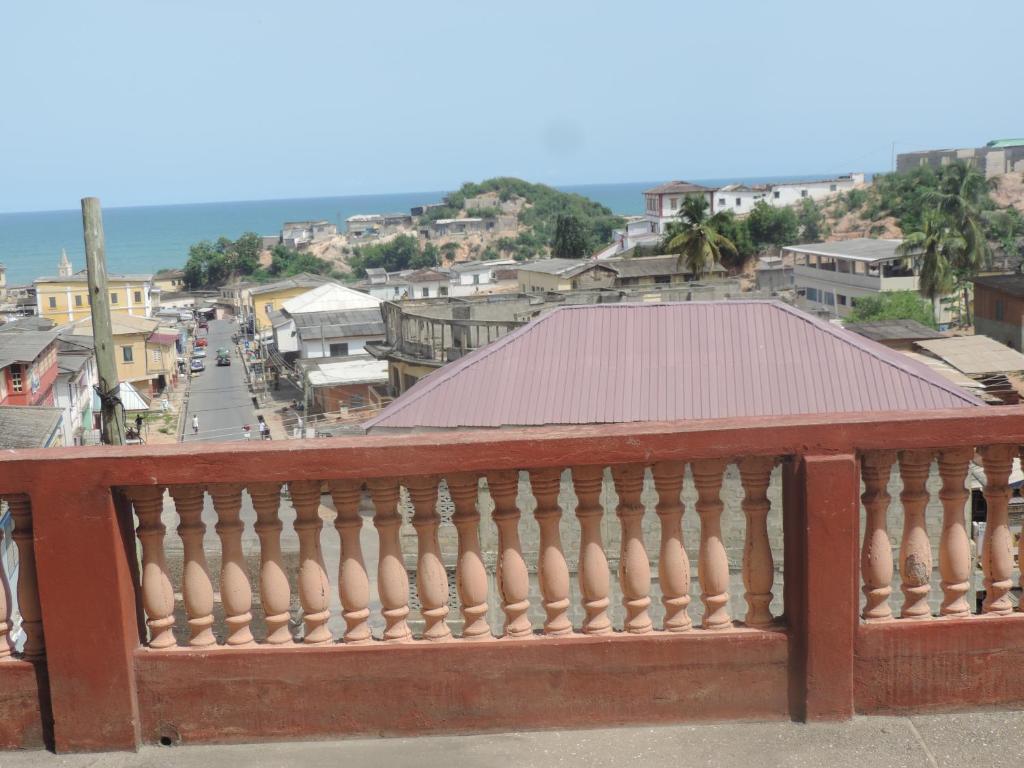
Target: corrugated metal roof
664,362
894,330
868,249
24,346
677,186
350,323
975,354
28,426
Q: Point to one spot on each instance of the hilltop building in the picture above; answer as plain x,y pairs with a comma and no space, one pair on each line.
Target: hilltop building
65,298
997,157
299,234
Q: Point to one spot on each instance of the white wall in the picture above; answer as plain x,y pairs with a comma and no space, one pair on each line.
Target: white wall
356,346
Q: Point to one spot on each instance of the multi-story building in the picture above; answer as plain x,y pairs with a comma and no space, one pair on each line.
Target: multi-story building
146,353
830,276
663,203
65,298
997,157
73,390
262,300
329,321
741,198
28,367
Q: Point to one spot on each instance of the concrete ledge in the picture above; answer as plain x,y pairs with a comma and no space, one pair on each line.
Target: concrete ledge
22,724
232,695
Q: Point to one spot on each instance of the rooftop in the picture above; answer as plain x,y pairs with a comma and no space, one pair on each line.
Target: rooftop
301,280
560,267
867,249
330,297
31,323
359,369
120,325
1012,284
646,266
661,362
975,355
82,277
345,323
892,330
671,187
23,346
27,426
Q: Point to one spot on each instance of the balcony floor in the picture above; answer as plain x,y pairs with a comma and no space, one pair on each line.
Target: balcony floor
988,738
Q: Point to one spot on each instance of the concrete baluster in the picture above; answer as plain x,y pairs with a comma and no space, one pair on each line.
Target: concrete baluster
431,578
314,587
235,589
594,578
353,580
915,549
157,592
552,570
470,572
713,562
28,591
275,592
673,564
634,565
758,565
954,545
876,564
392,579
997,549
513,577
6,624
196,587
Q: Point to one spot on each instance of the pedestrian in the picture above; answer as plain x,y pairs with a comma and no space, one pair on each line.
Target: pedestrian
195,424
165,404
263,429
266,432
138,423
245,432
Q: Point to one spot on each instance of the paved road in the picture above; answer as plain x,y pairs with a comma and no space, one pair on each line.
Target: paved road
219,395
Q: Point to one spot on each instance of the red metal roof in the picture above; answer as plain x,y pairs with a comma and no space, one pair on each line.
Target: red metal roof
664,362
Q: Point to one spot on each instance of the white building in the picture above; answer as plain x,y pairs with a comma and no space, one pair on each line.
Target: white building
829,276
663,203
73,389
741,198
328,321
469,277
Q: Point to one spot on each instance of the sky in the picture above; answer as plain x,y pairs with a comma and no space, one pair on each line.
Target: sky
153,102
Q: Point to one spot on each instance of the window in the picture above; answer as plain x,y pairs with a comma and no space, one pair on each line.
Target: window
841,299
356,401
739,202
812,294
16,380
803,193
721,201
339,350
157,357
831,187
113,298
442,291
999,309
53,302
673,202
776,194
138,297
476,279
425,293
78,300
126,354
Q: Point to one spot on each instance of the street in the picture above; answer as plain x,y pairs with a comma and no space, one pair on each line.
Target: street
219,395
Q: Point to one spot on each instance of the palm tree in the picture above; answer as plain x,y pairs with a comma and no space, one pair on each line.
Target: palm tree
696,238
934,249
961,191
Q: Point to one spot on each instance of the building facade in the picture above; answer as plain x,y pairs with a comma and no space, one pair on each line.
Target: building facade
996,158
28,367
999,308
65,299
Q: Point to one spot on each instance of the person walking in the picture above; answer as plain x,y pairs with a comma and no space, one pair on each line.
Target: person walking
262,428
138,423
246,430
195,424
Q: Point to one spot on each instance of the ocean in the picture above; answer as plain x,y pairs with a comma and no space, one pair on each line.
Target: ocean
149,238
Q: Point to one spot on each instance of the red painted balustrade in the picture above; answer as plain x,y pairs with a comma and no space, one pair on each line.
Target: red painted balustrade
128,640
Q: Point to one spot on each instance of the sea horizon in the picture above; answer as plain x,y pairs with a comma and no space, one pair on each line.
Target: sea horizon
149,237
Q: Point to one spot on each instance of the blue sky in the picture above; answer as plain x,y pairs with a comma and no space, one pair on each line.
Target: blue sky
147,102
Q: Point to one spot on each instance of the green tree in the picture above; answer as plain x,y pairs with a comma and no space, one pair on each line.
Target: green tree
892,305
697,241
569,241
934,249
811,221
246,253
285,262
772,226
207,266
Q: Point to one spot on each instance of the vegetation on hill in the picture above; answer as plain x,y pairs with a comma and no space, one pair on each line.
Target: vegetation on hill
538,217
402,252
211,264
698,238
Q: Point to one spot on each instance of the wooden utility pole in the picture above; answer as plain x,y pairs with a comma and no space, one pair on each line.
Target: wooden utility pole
102,329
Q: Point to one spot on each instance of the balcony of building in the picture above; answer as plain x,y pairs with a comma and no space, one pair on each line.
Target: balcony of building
500,580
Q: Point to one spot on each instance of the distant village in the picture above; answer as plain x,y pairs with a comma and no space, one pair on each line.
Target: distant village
345,351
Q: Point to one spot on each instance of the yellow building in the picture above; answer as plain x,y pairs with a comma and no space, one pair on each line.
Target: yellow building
65,299
264,299
564,275
145,353
170,280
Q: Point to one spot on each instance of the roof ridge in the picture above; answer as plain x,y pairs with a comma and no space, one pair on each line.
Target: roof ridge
881,353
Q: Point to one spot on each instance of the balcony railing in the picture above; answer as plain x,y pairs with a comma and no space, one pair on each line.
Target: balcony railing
243,629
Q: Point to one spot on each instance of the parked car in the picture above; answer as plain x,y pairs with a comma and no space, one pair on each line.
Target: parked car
203,325
199,352
198,365
201,342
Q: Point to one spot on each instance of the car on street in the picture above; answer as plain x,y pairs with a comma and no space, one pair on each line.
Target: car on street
200,342
199,352
223,357
198,365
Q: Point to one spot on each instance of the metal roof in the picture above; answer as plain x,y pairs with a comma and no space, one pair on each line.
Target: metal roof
663,362
975,355
1012,284
329,297
331,325
23,346
677,186
27,426
646,266
869,249
302,280
893,330
356,370
560,267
